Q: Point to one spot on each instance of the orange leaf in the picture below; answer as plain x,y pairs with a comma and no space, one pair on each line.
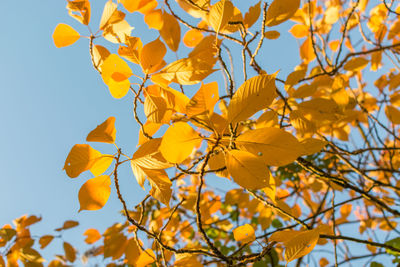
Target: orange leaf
244,233
65,35
104,132
94,194
145,258
67,225
92,235
81,158
45,240
70,252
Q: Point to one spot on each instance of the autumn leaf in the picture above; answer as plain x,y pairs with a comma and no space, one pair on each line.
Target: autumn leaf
252,15
79,10
94,194
70,252
115,73
170,31
145,258
204,100
65,35
253,95
67,225
81,158
244,233
152,55
45,240
104,132
274,146
178,142
247,170
219,14
280,11
92,236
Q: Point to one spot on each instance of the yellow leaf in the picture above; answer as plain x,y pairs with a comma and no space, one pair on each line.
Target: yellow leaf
274,146
294,77
101,164
155,109
320,109
192,38
267,119
252,15
220,14
81,158
301,244
204,100
154,19
151,55
104,132
67,225
118,32
65,35
94,194
272,35
312,146
306,51
92,236
299,30
79,10
170,31
187,260
148,156
280,11
356,64
45,240
185,71
247,170
150,128
161,185
146,257
110,15
132,252
206,50
331,15
132,50
70,252
100,53
115,73
393,114
244,233
178,142
198,10
253,95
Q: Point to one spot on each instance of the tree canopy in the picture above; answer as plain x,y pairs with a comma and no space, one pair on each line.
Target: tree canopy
308,155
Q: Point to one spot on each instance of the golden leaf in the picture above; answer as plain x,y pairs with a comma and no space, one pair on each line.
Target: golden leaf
253,95
92,236
204,100
94,194
79,10
145,258
244,233
281,10
70,252
45,240
152,55
252,15
65,35
220,14
104,132
274,146
81,158
170,31
247,170
178,142
115,73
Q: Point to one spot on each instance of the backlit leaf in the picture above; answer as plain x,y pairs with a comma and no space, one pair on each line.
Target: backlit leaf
154,19
253,95
220,14
160,185
115,73
65,35
92,236
281,10
301,244
299,30
272,35
101,164
155,109
100,53
178,142
81,158
79,10
393,114
204,100
94,194
104,132
152,55
192,38
247,170
356,64
252,15
171,31
110,15
68,225
118,32
244,233
320,109
274,146
145,258
312,146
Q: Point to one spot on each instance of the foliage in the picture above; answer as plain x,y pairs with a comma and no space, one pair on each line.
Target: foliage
306,154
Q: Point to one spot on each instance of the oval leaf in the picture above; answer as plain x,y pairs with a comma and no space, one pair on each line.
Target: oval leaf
280,11
247,170
65,35
244,233
81,158
94,194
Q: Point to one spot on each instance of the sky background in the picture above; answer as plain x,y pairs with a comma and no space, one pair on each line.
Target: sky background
52,98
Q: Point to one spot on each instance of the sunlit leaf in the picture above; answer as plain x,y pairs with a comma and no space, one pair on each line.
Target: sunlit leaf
79,10
132,251
81,158
115,74
281,10
65,35
94,194
273,145
301,244
161,185
192,38
356,64
312,145
253,95
178,142
204,100
244,233
70,252
393,114
170,31
104,132
145,258
154,19
45,240
92,236
68,225
247,170
219,14
252,15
